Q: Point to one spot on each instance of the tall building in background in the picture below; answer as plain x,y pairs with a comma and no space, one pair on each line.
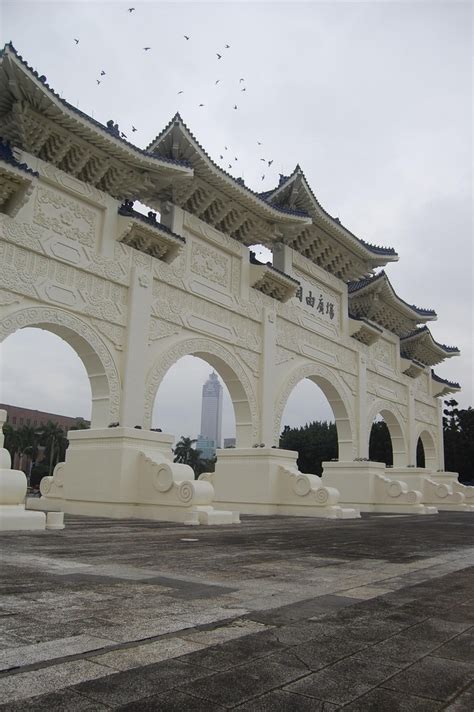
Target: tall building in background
211,417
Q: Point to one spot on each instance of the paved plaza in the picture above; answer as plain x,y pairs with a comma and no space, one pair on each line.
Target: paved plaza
276,614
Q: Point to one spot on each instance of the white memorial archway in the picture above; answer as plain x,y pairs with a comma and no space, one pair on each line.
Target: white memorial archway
132,293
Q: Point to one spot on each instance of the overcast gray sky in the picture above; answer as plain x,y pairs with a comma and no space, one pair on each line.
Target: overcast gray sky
373,99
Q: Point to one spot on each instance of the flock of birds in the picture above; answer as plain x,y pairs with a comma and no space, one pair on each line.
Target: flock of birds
219,56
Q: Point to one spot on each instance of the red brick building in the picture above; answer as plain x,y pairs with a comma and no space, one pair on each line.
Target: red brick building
17,417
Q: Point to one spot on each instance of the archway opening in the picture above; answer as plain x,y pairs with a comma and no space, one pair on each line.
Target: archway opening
316,424
386,440
420,454
426,446
201,402
46,392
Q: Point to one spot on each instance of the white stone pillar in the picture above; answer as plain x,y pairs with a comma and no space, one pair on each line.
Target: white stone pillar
440,434
267,377
363,433
173,217
134,371
283,258
412,439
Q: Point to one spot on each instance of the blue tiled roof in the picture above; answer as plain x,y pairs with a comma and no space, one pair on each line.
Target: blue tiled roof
438,379
6,155
284,179
423,330
353,287
177,118
89,119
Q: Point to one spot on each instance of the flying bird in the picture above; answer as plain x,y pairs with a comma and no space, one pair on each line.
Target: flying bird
131,9
186,37
123,135
225,147
235,106
244,89
133,129
270,162
241,80
219,56
263,177
102,73
264,160
235,159
76,41
221,157
217,81
98,81
201,104
259,143
146,48
230,165
181,92
227,46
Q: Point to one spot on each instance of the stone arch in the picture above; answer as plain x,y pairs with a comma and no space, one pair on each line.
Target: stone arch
429,446
339,399
94,354
393,419
230,370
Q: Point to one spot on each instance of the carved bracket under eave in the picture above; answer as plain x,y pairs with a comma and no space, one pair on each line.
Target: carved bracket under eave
272,282
153,239
364,331
16,186
411,367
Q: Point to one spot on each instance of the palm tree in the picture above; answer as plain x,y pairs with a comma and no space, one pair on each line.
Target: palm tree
26,442
54,438
184,451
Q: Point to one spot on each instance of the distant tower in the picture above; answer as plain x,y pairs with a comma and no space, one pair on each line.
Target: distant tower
211,417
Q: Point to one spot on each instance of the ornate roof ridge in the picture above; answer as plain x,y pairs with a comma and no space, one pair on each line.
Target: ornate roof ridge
143,152
424,330
177,118
438,379
377,249
6,155
355,286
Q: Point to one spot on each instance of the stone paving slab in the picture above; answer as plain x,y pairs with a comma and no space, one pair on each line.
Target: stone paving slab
279,614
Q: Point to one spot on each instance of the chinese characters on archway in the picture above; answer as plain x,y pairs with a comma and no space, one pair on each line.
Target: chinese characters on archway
322,306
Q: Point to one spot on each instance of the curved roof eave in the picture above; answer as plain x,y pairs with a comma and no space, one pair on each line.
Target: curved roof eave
424,332
226,179
122,149
374,251
367,284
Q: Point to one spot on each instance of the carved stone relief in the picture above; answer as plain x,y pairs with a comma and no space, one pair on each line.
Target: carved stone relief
176,306
66,216
34,275
295,338
210,264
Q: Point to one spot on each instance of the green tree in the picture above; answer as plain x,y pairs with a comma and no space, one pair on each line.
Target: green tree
54,438
380,443
458,432
315,443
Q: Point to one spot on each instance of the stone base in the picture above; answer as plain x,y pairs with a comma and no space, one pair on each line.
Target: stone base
369,487
128,473
441,490
16,518
267,481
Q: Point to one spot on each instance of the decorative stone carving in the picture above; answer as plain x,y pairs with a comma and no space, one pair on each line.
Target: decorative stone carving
295,338
65,216
251,359
114,333
384,352
210,264
208,233
425,413
161,329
